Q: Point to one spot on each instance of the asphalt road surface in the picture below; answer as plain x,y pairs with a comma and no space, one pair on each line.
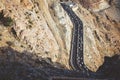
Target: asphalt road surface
76,59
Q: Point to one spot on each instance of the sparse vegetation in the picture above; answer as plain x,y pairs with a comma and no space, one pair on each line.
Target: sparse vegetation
28,14
13,32
6,21
30,26
0,37
38,17
29,21
9,43
36,12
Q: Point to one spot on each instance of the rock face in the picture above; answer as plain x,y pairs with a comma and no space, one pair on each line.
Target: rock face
43,27
101,34
95,5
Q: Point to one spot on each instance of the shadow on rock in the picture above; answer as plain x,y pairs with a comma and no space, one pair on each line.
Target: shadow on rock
111,67
16,65
20,66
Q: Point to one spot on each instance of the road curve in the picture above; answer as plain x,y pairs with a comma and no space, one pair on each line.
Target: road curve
76,59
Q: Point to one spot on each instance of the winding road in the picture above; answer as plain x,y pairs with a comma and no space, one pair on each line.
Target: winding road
77,55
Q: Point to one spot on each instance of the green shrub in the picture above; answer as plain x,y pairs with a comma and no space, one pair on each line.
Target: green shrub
6,21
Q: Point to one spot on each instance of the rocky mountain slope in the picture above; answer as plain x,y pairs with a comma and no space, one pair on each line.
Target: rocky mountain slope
43,28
